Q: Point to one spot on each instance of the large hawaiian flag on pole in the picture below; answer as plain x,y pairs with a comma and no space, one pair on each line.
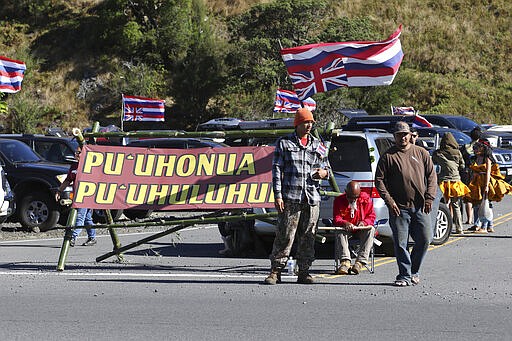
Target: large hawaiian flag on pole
327,66
137,108
11,74
287,102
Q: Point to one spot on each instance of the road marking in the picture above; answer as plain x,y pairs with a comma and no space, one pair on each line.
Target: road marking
507,216
131,274
378,262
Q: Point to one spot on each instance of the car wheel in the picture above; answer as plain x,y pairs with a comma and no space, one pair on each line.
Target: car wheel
98,216
137,214
443,226
38,210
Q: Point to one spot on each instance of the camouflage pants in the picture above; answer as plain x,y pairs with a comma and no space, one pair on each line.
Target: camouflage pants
297,221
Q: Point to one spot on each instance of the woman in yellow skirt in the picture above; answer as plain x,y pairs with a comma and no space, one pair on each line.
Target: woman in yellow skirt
449,158
487,181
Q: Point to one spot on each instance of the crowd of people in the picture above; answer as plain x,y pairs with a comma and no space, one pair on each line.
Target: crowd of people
469,174
407,179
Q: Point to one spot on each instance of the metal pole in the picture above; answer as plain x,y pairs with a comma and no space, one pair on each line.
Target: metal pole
67,237
117,251
332,180
108,215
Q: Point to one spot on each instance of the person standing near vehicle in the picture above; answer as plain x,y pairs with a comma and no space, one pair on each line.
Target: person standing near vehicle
487,182
466,175
296,171
83,215
449,158
406,181
414,135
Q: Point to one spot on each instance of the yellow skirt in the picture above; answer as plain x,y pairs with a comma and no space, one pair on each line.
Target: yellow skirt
498,188
453,189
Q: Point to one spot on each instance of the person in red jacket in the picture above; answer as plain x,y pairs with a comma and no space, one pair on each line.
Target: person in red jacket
353,210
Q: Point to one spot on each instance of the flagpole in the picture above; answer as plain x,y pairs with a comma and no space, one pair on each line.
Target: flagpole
122,111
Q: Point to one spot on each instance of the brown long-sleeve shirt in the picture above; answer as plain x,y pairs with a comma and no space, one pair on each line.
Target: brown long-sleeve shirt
406,177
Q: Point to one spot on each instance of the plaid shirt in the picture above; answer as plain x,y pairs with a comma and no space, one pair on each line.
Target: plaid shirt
291,169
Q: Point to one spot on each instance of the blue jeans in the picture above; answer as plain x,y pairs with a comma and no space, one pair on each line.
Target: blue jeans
482,223
417,224
84,218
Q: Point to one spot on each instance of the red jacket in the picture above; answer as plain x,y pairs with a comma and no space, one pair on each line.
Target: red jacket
364,213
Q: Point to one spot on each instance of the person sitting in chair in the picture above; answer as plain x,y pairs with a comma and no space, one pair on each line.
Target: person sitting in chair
353,210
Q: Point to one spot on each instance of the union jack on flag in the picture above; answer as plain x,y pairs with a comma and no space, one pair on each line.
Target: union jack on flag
11,74
137,108
327,66
287,101
132,114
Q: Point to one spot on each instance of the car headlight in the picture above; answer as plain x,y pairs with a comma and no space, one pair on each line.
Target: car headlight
61,177
493,140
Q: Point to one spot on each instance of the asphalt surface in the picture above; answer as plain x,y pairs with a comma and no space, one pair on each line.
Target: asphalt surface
179,288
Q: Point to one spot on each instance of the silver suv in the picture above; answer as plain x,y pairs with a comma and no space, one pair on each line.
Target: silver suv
354,156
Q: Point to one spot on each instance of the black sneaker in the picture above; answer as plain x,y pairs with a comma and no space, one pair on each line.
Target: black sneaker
90,242
72,242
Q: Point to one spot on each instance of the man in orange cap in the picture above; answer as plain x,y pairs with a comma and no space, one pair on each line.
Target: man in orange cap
296,175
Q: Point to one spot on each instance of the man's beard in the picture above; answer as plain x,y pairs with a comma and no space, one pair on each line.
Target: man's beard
353,208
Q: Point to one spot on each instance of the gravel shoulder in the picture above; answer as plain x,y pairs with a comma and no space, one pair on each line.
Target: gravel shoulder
14,231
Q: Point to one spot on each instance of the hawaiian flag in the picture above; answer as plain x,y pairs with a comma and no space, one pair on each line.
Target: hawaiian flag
322,150
137,108
420,121
402,110
11,74
417,121
287,101
328,66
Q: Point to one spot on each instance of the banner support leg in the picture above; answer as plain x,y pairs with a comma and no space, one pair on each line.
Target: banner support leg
67,238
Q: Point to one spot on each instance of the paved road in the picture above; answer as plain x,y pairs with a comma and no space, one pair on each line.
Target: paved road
188,292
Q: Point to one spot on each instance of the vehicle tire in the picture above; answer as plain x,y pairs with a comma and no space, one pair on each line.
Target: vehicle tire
443,226
137,214
98,216
38,210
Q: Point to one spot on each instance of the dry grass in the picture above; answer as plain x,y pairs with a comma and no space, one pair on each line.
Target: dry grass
231,7
458,51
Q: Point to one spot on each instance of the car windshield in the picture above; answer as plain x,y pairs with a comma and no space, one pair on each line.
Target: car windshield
462,123
16,151
460,137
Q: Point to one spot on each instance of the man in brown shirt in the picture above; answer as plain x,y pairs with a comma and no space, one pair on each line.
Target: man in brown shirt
406,181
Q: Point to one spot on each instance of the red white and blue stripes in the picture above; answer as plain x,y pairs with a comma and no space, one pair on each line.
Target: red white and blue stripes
327,66
137,108
11,74
287,101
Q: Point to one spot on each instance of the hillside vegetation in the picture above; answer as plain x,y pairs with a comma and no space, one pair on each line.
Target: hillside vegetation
219,58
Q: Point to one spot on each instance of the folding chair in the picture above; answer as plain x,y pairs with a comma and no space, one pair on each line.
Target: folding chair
354,244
